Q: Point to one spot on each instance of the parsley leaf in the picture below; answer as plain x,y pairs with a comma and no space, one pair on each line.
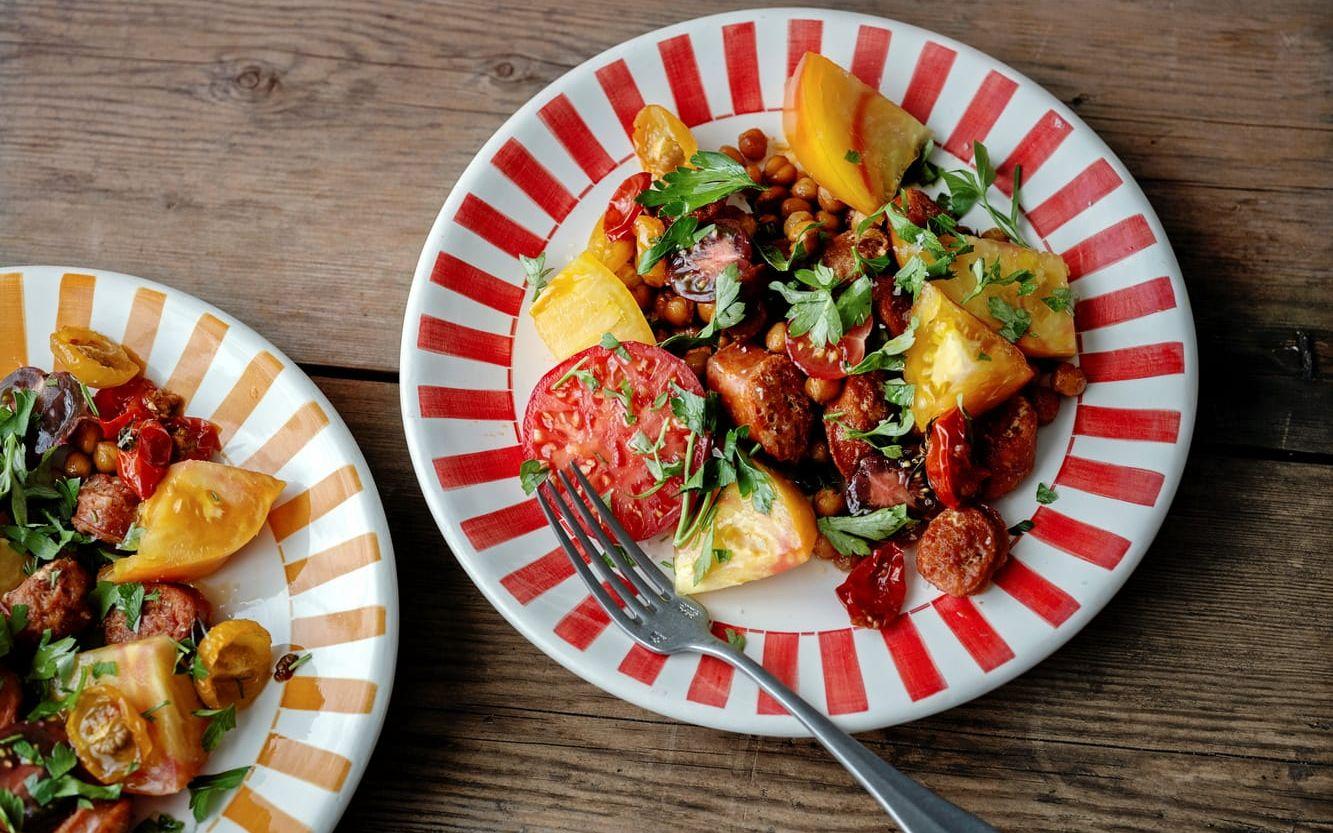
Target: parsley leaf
536,272
1021,527
220,722
206,790
889,356
1060,300
1046,494
610,342
967,188
853,534
681,234
11,811
162,824
1016,321
531,474
852,156
713,176
816,312
985,276
899,393
735,639
695,412
129,597
53,658
728,311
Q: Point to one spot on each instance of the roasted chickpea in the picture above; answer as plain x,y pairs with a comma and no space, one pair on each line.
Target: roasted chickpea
705,311
779,170
800,228
753,143
776,338
994,234
856,218
770,199
733,153
697,360
86,436
629,276
106,456
828,202
1068,380
791,205
829,501
823,390
805,188
754,171
643,296
78,464
828,222
819,452
678,311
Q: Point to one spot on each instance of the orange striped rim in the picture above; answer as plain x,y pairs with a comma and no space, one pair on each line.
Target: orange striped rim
314,503
309,763
308,421
337,628
198,355
329,694
254,813
14,335
240,402
76,300
331,563
145,315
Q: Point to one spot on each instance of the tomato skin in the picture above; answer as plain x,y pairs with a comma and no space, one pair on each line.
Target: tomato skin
568,423
123,405
144,464
618,221
193,438
949,466
876,587
830,362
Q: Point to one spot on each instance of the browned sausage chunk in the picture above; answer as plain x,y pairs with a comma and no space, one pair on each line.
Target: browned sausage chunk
1045,402
1006,446
173,613
840,254
859,407
106,508
766,392
893,307
962,548
917,206
57,598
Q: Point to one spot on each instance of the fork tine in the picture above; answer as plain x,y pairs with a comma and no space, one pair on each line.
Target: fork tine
647,587
632,601
581,567
645,564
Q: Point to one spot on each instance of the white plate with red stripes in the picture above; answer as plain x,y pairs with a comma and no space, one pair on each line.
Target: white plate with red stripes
470,357
319,576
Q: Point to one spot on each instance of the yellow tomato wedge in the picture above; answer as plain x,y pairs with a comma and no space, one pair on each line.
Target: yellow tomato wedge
956,355
760,545
199,516
661,141
108,734
236,655
852,140
92,358
581,303
1051,334
612,253
144,673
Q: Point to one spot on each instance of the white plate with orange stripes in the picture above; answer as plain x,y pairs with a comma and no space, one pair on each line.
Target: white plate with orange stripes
320,575
470,357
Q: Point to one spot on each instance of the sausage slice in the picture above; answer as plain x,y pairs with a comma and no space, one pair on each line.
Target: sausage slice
766,392
962,548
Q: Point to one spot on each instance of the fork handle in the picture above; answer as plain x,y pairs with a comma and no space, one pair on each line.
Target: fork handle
913,807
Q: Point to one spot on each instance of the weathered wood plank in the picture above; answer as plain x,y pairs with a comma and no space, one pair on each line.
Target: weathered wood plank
1202,678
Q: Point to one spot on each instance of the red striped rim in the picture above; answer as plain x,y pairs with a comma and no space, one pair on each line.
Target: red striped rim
1035,592
915,667
1127,483
583,624
682,72
1032,152
1125,304
536,577
1108,246
742,56
802,36
1141,362
932,70
437,402
518,165
844,689
781,651
1090,543
618,84
1159,426
642,664
476,467
574,135
872,50
482,219
987,105
981,641
506,524
458,275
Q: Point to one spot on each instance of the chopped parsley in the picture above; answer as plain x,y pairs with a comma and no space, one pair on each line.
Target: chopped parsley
1061,299
1046,495
735,639
816,312
728,311
853,534
681,234
610,342
889,356
1015,319
967,188
1021,527
220,722
538,274
128,597
987,276
531,474
207,790
11,811
712,176
163,823
852,156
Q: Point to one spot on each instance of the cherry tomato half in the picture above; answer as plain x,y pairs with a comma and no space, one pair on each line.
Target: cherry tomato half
123,405
875,588
830,361
949,465
144,461
108,734
193,438
618,222
591,419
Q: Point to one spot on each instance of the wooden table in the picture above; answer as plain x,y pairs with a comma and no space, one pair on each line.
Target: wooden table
285,161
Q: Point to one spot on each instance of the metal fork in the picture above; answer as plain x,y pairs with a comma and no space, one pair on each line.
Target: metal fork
662,621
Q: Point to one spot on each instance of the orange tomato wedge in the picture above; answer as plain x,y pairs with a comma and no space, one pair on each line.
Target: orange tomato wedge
236,655
92,358
108,734
661,141
199,516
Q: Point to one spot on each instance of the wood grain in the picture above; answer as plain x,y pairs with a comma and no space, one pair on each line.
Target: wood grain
285,161
1200,694
252,148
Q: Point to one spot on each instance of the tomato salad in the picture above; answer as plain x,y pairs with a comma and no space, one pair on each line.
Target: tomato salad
787,349
116,679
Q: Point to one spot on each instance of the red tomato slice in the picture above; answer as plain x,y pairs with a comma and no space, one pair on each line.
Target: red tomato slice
949,466
618,222
830,361
571,420
875,588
